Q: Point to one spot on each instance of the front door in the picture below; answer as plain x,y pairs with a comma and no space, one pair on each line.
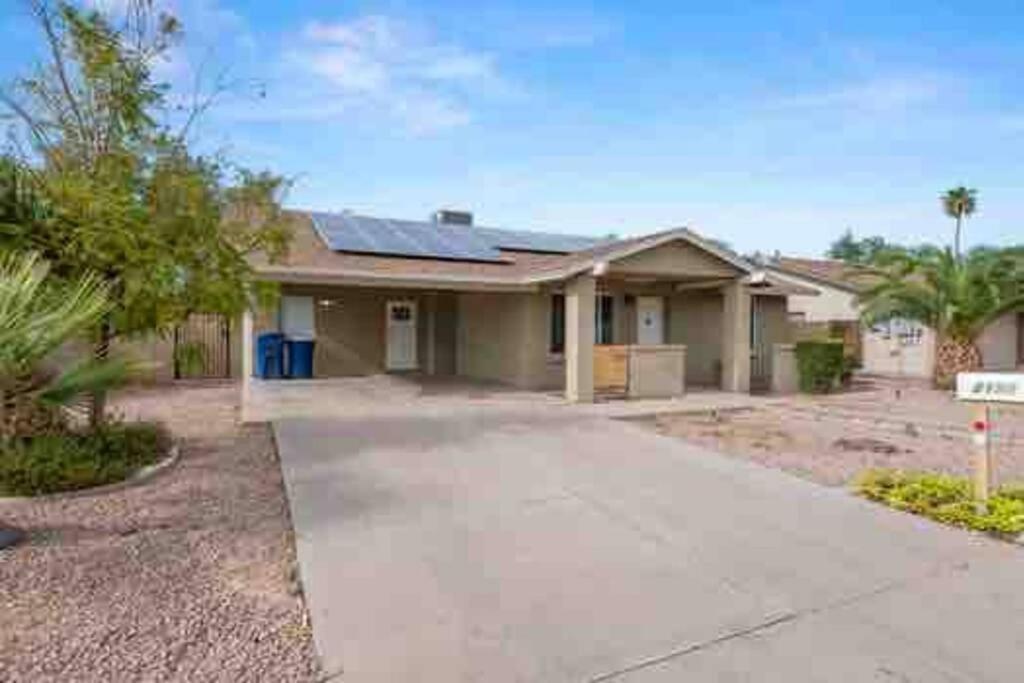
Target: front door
650,320
401,335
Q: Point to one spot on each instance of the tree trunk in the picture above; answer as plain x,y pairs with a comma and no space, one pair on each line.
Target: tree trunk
953,356
956,236
101,351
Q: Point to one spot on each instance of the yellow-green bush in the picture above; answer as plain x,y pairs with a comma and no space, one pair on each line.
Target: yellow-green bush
945,499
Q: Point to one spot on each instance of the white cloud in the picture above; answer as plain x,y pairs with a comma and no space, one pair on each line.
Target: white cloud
380,64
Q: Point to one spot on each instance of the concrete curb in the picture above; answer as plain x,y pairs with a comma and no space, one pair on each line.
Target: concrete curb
141,476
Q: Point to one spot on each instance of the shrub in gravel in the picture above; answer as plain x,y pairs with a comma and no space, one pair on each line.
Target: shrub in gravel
945,499
71,460
820,365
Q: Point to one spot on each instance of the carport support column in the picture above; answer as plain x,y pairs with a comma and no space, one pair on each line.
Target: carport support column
579,339
736,338
247,360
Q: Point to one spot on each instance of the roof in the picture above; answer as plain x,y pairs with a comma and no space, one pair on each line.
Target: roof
352,233
311,260
839,274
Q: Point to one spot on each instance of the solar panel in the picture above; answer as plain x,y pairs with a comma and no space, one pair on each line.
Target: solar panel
363,234
524,240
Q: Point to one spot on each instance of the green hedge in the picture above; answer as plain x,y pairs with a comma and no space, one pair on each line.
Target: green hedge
945,499
68,461
821,365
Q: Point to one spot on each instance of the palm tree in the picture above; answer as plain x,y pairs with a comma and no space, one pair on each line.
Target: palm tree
953,296
959,203
40,320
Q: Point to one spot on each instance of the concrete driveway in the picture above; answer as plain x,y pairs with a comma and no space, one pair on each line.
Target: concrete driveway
530,541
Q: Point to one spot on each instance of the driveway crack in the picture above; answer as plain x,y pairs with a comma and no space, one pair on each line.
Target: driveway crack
772,622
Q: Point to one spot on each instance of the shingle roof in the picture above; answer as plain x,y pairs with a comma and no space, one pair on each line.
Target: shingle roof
835,273
310,259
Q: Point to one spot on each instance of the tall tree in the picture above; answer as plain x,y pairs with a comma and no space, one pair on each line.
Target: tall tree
959,203
122,194
955,297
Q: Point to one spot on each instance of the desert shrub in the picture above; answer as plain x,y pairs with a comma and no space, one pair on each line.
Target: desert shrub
67,461
945,499
820,365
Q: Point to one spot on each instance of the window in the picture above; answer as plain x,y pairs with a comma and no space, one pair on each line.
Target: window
604,327
556,343
603,319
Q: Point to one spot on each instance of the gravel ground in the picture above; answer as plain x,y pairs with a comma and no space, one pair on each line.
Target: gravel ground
830,439
185,577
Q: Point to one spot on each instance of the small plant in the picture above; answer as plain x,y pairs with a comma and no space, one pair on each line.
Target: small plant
67,461
945,499
820,364
189,359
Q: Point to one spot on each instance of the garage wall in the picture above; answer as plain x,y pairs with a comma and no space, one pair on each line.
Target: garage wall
998,343
351,328
830,304
504,338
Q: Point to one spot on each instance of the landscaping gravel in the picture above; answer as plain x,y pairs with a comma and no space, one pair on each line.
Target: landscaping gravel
881,423
188,576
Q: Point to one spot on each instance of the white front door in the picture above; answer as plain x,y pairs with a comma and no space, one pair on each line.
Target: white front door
650,320
401,335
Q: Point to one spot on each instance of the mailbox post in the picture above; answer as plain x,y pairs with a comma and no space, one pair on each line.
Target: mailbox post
984,389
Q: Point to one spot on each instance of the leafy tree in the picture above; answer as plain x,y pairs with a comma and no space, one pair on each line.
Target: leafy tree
959,203
954,296
121,195
864,251
38,318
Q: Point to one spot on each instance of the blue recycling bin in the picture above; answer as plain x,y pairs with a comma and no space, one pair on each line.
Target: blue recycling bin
270,355
300,358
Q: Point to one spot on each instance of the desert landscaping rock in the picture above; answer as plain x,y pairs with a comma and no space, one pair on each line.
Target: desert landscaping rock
830,439
185,577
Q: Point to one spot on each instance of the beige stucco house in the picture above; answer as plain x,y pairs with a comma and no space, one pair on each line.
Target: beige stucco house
899,347
649,315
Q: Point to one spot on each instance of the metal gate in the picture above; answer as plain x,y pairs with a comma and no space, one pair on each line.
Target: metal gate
202,347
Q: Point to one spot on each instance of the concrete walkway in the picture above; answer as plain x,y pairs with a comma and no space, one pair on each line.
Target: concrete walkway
519,542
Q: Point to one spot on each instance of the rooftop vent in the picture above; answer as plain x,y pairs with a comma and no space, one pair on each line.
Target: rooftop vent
450,217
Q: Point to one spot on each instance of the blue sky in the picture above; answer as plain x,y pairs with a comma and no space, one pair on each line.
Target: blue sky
769,125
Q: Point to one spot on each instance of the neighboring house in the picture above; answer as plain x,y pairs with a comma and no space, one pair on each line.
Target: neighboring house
898,347
532,310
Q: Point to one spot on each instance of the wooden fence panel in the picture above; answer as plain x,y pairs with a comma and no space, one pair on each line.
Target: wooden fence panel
611,367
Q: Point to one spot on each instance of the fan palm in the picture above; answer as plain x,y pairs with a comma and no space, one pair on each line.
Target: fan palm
955,297
959,203
39,318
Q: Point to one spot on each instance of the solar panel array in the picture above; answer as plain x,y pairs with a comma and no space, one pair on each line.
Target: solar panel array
366,235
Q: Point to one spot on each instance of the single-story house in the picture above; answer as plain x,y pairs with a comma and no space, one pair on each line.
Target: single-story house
647,315
897,347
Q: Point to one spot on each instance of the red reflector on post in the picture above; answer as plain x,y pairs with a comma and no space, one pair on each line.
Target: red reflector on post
979,425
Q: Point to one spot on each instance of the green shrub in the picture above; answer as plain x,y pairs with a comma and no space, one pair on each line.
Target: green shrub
945,499
820,365
68,461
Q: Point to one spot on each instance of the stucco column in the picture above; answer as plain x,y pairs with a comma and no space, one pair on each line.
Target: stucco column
736,338
431,305
579,339
247,360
